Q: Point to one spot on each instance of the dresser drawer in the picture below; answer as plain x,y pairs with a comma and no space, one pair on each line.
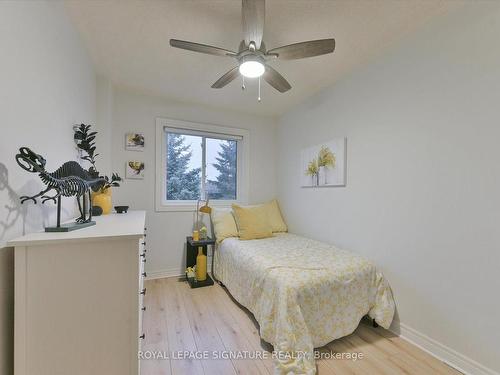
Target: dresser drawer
141,314
142,289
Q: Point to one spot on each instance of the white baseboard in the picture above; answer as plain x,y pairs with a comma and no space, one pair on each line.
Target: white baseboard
171,272
445,354
160,274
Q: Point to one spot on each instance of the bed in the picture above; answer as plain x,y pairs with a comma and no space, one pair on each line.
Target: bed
302,292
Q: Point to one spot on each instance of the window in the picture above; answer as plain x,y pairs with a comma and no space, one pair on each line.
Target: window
221,168
199,161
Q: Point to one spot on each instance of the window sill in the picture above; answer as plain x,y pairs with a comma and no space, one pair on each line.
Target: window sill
191,206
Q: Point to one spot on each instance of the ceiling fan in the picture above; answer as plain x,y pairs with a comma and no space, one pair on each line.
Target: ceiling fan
252,56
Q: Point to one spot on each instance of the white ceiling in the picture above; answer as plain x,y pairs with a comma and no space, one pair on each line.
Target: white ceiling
128,42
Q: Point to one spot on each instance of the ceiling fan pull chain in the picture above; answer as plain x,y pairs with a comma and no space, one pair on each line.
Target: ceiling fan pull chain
259,91
243,84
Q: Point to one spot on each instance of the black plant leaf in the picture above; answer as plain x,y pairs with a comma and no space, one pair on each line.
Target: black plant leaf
85,140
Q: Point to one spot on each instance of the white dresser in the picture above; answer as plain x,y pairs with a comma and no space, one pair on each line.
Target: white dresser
78,299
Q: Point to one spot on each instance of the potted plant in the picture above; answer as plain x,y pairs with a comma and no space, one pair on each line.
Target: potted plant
85,141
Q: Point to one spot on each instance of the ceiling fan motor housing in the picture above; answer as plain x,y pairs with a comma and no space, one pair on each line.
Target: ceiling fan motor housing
252,57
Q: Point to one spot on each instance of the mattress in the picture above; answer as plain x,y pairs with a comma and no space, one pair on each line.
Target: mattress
303,293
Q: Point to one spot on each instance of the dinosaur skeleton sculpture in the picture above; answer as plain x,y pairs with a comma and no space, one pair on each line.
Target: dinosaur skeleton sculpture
67,181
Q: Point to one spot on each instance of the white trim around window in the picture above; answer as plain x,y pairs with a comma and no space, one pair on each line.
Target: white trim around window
221,132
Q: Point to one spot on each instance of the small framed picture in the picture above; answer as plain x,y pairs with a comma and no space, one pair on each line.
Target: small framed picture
135,170
134,142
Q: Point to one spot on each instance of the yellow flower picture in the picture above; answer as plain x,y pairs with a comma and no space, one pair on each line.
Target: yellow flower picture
135,170
324,164
134,142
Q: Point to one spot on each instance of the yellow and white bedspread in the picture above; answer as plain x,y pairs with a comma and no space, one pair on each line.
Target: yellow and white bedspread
303,293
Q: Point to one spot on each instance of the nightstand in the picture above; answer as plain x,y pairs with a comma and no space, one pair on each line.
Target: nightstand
192,252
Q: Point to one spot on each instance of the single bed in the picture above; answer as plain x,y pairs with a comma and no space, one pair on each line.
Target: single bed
303,293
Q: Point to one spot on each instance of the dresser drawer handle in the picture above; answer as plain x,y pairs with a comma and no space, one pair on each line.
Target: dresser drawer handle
144,274
143,292
143,255
143,336
144,260
143,308
144,243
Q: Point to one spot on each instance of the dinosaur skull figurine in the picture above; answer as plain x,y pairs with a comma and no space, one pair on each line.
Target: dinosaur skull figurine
30,161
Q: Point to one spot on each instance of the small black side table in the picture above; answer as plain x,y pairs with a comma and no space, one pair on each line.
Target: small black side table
191,253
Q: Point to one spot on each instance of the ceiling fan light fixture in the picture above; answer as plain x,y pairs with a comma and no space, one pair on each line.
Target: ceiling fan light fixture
252,69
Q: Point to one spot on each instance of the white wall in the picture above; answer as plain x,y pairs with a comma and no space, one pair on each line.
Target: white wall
47,84
104,124
423,178
167,231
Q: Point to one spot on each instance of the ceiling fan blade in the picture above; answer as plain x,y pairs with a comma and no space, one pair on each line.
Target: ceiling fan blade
203,48
276,80
253,16
226,78
304,49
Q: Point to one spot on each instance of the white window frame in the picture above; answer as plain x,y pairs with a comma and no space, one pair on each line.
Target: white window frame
207,130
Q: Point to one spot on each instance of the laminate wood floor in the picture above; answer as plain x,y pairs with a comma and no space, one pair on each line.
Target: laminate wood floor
193,323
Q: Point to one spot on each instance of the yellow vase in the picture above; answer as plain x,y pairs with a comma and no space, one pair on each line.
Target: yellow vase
103,200
201,265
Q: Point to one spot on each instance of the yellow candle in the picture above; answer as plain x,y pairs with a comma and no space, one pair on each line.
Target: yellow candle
196,235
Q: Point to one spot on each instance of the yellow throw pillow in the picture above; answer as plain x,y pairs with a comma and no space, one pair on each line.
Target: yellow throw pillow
274,217
224,224
252,222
